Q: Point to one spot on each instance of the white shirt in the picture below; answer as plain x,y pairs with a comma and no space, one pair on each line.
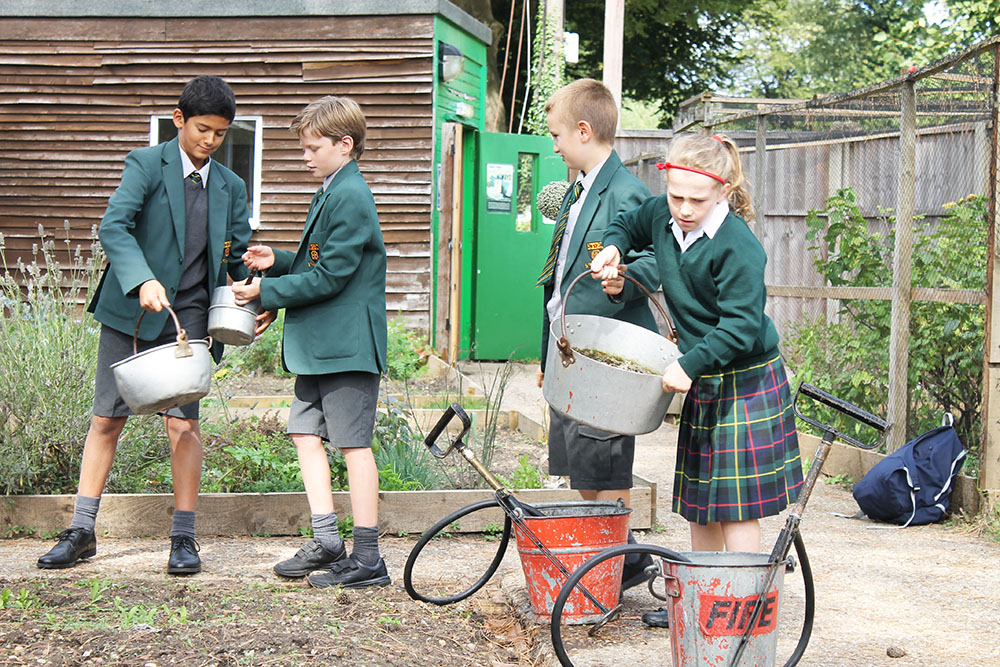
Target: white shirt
708,228
188,168
554,306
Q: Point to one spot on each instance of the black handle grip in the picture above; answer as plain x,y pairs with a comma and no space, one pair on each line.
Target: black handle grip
852,411
450,413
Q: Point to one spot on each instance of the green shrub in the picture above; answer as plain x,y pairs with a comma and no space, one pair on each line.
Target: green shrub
850,358
48,357
406,353
400,454
263,355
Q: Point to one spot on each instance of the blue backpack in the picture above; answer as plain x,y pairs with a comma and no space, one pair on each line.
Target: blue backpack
911,486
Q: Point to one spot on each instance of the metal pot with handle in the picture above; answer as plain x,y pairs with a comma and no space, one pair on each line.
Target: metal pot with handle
166,376
615,385
231,324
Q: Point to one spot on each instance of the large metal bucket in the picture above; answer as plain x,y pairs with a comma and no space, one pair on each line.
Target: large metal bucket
710,601
166,376
601,395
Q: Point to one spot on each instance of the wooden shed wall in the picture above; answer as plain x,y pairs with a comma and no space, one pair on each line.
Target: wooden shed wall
77,94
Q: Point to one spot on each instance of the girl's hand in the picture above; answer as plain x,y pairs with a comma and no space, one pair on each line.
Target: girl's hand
244,294
264,321
258,257
605,265
675,379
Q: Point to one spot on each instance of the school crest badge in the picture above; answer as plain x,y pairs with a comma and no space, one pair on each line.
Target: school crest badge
314,252
594,247
226,247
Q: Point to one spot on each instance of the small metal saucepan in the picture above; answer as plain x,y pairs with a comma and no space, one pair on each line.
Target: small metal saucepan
229,323
166,376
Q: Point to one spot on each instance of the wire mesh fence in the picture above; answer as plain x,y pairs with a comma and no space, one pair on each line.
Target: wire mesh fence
875,208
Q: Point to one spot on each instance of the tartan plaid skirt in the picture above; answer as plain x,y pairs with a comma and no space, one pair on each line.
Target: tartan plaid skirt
737,450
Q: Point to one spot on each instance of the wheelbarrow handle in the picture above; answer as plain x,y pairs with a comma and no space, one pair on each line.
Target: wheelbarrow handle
450,413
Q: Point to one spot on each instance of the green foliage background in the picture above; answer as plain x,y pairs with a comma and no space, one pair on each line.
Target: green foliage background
849,358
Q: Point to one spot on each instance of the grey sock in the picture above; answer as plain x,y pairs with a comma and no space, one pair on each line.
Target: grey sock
365,545
85,512
183,525
325,531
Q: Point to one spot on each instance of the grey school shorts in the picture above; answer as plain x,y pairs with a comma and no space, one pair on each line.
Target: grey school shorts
338,407
594,460
115,346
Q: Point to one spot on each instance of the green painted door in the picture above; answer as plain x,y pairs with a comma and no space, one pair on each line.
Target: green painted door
511,243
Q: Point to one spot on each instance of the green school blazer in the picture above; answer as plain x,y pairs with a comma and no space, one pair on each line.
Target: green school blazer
614,190
142,233
333,287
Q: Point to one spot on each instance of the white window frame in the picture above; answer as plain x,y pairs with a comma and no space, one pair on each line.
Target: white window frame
258,140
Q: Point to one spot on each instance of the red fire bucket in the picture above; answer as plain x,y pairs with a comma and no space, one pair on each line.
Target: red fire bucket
573,531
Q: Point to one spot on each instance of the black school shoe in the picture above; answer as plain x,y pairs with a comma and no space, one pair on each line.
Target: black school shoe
349,573
658,618
308,559
635,574
184,557
75,544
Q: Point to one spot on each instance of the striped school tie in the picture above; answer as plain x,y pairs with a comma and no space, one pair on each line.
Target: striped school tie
195,177
550,262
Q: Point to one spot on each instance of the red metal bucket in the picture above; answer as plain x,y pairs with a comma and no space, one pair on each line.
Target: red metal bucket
573,531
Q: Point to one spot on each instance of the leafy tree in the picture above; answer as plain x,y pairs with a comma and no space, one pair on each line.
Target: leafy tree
672,49
800,48
850,357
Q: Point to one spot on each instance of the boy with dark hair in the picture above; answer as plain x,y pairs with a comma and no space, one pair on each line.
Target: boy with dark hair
168,233
333,292
582,118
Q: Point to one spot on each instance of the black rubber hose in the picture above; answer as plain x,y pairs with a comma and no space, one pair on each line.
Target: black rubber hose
810,611
582,571
442,525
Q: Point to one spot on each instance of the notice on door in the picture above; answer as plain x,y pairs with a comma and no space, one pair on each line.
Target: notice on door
499,187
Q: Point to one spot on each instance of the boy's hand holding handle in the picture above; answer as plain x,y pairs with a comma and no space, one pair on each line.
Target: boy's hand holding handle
245,292
152,296
675,379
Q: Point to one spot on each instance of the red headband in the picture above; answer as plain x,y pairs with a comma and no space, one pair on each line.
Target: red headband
662,166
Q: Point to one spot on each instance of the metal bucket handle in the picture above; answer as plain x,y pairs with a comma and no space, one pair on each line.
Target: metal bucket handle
566,351
183,348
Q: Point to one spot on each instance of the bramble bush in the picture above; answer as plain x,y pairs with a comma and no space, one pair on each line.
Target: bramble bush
850,358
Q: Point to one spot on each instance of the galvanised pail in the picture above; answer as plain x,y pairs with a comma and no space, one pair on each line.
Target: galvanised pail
603,396
573,531
709,603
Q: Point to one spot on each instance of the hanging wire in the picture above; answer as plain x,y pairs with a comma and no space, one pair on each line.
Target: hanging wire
506,61
517,66
527,82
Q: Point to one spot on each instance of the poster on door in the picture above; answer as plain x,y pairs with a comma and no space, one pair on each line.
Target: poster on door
499,187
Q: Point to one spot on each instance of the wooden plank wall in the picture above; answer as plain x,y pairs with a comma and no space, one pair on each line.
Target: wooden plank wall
76,95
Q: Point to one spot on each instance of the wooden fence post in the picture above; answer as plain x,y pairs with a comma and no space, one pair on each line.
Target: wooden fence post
899,339
989,459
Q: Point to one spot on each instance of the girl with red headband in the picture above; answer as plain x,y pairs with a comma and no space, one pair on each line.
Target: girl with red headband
737,452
